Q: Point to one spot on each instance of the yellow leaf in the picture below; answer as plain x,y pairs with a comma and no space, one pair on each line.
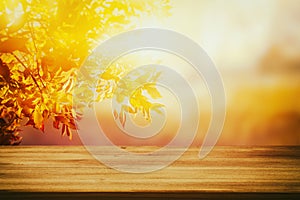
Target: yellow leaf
156,107
128,109
38,118
152,91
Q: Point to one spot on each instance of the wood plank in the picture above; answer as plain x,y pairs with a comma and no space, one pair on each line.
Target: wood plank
243,170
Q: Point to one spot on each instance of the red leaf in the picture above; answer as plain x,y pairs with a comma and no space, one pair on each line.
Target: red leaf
68,131
30,123
56,124
60,119
72,124
42,128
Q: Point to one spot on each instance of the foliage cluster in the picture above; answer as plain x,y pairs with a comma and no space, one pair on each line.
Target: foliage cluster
42,45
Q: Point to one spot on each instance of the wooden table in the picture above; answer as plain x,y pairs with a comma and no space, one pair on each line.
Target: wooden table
70,172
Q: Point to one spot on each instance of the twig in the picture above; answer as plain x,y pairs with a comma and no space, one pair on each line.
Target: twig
33,78
36,52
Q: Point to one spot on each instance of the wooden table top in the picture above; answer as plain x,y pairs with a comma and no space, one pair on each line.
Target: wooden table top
226,170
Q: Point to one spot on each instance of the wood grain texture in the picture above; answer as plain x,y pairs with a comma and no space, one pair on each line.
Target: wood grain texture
226,170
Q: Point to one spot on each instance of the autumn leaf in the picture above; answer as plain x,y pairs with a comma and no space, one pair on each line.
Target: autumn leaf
122,118
13,44
30,123
128,109
60,119
71,124
56,124
115,113
38,118
152,91
42,128
69,133
4,71
63,130
157,108
42,49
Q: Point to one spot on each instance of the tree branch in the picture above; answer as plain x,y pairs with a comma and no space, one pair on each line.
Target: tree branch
36,52
33,78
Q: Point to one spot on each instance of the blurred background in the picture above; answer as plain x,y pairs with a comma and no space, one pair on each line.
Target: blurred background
256,47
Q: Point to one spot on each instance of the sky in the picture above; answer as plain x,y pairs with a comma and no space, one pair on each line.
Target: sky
255,45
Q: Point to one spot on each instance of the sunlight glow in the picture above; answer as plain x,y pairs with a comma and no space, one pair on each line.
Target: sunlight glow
14,14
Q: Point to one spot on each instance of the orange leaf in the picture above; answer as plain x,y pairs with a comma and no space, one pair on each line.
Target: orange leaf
63,130
115,114
71,124
42,128
56,124
13,44
30,123
4,71
69,133
122,118
38,118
